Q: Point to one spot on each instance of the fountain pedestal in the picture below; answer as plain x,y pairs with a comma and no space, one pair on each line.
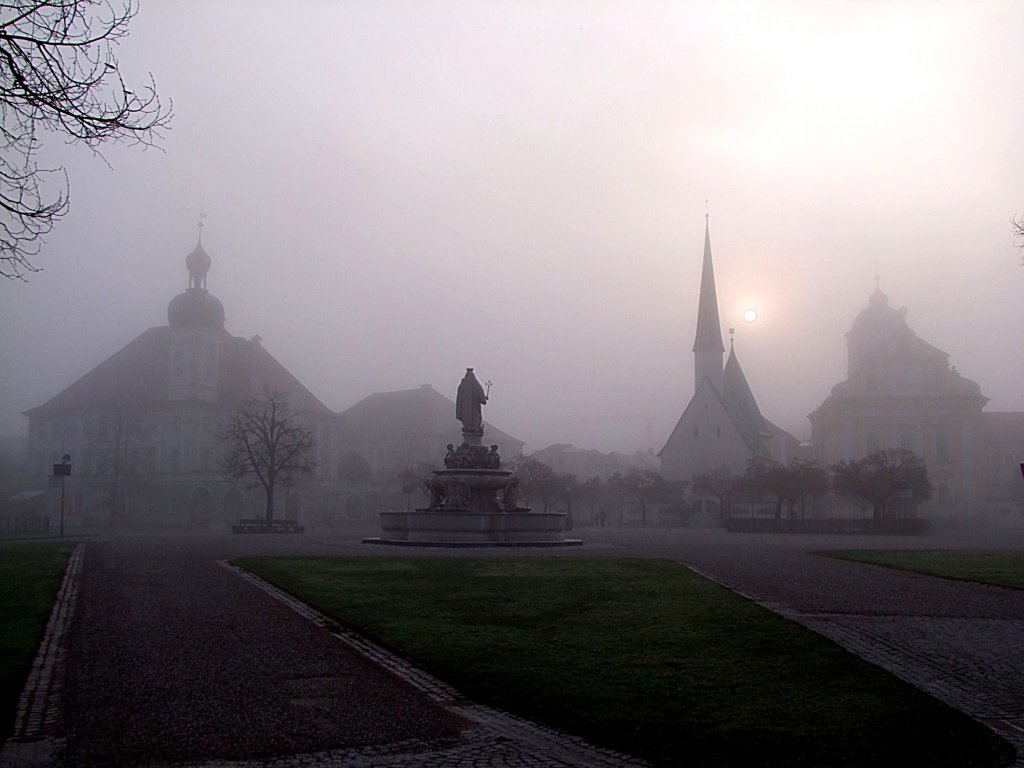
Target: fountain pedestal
473,505
473,501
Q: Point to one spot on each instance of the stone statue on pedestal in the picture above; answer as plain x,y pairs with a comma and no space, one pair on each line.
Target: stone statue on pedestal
472,499
468,400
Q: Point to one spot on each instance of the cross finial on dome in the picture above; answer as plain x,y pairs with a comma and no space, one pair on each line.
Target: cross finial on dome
198,262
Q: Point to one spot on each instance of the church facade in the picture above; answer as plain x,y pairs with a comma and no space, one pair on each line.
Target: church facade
722,426
901,392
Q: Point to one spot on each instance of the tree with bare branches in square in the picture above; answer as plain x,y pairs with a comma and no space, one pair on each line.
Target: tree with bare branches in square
267,446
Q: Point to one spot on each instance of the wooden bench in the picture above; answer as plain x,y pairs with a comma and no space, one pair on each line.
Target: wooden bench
268,526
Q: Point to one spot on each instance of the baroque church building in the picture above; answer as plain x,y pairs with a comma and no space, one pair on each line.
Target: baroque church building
142,427
901,392
722,427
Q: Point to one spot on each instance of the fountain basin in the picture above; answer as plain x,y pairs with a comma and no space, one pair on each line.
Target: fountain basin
441,527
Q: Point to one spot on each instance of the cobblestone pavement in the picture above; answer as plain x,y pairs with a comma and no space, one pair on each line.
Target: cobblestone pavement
175,660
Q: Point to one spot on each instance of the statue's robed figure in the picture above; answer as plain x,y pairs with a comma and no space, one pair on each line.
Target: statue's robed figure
467,404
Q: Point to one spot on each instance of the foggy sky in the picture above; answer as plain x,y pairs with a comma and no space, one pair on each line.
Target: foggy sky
398,190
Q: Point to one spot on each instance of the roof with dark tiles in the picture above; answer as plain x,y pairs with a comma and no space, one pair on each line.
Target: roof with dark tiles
138,374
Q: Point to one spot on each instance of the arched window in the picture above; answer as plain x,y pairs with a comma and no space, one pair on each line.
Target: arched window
942,447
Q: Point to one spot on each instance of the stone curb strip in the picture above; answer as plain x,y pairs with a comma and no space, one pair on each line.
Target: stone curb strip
36,740
507,740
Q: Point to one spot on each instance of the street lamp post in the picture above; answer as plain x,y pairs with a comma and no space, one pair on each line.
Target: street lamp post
62,471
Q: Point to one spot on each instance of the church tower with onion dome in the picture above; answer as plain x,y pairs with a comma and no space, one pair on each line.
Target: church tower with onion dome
196,320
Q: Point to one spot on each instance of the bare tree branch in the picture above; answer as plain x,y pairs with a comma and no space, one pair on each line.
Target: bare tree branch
267,445
59,75
1017,222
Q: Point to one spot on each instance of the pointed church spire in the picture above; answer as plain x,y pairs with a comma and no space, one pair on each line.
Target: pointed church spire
736,390
739,400
707,345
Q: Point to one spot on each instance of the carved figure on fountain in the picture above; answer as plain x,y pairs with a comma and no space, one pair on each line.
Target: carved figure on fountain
468,456
493,460
435,490
457,495
511,495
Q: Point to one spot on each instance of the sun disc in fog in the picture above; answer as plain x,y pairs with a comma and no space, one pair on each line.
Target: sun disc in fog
750,315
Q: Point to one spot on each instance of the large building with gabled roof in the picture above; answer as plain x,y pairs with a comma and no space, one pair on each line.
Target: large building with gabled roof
722,426
142,427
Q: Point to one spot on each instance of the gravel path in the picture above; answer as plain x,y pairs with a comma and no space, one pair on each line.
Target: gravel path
173,658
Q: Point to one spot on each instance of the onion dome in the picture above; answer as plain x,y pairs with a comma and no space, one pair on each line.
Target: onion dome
878,319
198,262
196,307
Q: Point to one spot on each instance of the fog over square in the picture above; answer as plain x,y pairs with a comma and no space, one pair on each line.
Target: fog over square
396,191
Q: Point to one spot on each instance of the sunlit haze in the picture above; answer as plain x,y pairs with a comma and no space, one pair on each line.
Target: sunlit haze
395,191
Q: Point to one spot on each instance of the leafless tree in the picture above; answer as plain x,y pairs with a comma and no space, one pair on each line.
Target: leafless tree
118,440
792,483
1018,232
59,75
718,483
267,446
643,485
537,480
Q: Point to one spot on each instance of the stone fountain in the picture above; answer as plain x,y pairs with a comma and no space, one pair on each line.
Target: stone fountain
473,501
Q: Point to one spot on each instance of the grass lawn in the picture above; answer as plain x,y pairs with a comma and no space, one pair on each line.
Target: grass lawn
1000,567
640,656
30,574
